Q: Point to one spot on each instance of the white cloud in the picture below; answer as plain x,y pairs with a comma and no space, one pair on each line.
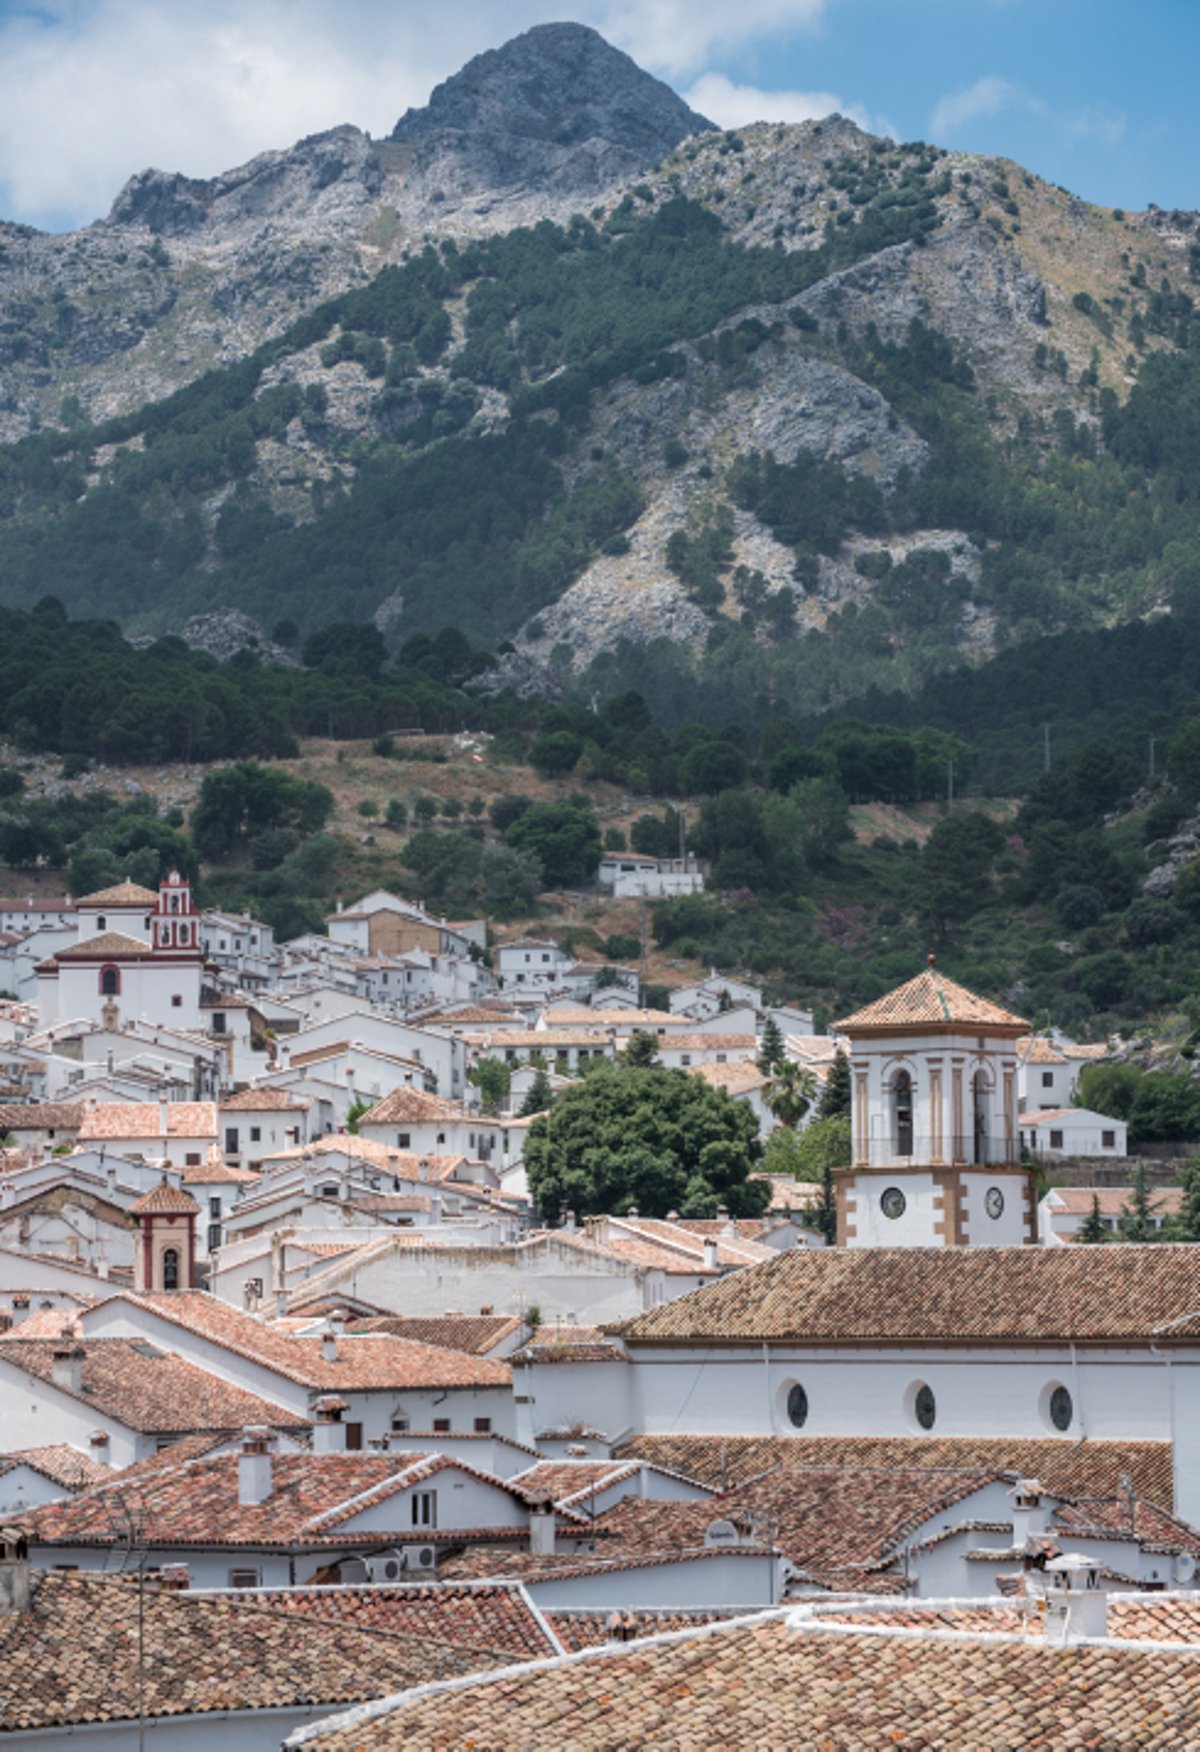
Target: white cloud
675,37
93,90
734,106
987,97
1104,127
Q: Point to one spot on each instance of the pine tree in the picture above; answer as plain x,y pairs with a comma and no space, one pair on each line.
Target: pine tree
1135,1221
641,1048
1185,1225
539,1097
1092,1230
835,1097
770,1046
826,1211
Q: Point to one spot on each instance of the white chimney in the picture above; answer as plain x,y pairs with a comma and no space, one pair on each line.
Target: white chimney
329,1348
164,1117
66,1368
1028,1511
569,1222
254,1465
280,1303
541,1529
14,1572
99,1445
329,1432
1076,1604
710,1255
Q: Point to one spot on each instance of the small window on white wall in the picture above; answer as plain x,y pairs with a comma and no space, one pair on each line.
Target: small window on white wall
1058,1408
921,1406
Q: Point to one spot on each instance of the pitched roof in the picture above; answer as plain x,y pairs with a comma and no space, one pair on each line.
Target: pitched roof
121,894
476,1334
164,1200
72,1657
109,945
146,1388
762,1682
59,1462
931,1002
195,1503
493,1616
1077,1200
41,1115
949,1295
143,1119
1088,1468
364,1360
406,1105
264,1101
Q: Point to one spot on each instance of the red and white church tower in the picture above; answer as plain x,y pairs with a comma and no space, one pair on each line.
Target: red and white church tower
133,959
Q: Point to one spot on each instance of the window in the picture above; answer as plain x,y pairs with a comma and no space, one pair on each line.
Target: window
1047,1079
185,933
176,1001
902,1109
101,923
214,1207
214,1237
110,982
354,1437
925,1407
685,1058
243,1578
192,1159
256,1134
404,1140
170,1268
399,1424
424,1508
1108,1140
1061,1408
483,1426
218,1022
1056,1140
797,1406
441,1426
231,1140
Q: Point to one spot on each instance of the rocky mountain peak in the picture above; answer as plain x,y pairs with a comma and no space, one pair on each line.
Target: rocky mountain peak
556,104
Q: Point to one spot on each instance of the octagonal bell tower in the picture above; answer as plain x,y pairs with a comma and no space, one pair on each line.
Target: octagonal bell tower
935,1140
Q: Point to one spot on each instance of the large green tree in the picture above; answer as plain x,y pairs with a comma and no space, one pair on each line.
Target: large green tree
641,1135
565,839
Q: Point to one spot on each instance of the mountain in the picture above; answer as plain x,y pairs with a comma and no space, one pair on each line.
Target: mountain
752,420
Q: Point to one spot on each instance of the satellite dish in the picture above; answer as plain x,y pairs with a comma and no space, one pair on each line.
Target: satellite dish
1184,1567
720,1533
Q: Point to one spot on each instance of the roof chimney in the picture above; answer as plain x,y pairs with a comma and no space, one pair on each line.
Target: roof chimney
254,1465
569,1222
14,1572
164,1117
329,1432
541,1529
329,1345
1076,1604
66,1368
172,1578
710,1255
1028,1510
98,1443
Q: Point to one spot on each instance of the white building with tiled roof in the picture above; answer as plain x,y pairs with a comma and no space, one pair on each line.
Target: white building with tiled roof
137,954
935,1141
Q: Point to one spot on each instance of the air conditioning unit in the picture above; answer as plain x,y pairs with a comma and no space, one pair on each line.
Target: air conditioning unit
420,1557
386,1566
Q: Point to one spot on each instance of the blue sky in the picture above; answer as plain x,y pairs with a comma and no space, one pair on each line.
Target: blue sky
1095,94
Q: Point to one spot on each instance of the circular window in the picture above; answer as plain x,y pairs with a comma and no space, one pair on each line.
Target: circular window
797,1406
1061,1409
994,1201
925,1407
893,1202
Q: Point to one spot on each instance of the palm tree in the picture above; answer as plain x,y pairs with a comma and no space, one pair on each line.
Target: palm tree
791,1092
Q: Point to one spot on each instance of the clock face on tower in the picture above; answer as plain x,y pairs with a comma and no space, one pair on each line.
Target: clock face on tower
994,1201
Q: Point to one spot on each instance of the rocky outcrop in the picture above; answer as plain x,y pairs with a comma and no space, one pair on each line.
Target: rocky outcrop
226,631
557,108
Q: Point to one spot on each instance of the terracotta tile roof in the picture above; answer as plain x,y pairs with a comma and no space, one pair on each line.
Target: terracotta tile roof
59,1462
731,1249
1035,1049
569,1344
476,1334
142,1119
146,1388
738,1076
264,1101
573,1482
121,894
515,1564
217,1174
496,1617
363,1362
1068,1469
790,1195
1126,1517
73,1657
109,945
763,1683
1077,1200
951,1295
841,1526
164,1200
406,1105
587,1629
1153,1617
743,1043
931,1001
313,1497
41,1115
